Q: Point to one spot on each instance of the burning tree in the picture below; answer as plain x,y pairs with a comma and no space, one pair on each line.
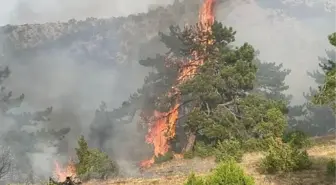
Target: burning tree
92,163
201,90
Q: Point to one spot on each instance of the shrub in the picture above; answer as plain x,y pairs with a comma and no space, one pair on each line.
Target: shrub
226,173
229,149
254,144
296,139
202,150
331,168
284,157
93,163
193,180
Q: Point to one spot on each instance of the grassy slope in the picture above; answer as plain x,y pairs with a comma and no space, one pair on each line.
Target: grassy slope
175,172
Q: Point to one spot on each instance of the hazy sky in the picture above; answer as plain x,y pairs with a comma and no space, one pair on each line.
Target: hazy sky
292,32
22,11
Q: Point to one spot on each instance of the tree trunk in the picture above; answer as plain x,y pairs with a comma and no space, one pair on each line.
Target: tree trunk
191,142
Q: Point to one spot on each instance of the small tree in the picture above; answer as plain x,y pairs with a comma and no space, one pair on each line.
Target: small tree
93,163
83,155
327,92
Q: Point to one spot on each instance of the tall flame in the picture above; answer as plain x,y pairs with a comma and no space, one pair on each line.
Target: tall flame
162,129
61,174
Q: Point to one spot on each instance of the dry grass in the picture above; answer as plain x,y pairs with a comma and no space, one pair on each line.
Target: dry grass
322,150
176,172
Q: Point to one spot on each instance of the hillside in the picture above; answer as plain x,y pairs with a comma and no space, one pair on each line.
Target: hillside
175,172
112,40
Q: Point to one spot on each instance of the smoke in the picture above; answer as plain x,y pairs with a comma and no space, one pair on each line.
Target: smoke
284,34
76,88
63,10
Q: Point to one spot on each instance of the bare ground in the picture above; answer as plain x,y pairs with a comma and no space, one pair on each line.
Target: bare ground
176,172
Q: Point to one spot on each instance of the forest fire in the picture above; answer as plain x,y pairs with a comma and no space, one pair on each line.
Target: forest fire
62,173
162,129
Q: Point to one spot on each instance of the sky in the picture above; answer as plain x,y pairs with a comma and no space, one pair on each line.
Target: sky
22,11
292,32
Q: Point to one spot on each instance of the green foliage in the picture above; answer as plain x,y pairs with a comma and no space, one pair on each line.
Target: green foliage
331,168
164,158
202,150
221,109
259,118
265,118
270,81
327,92
229,149
282,157
93,163
226,173
193,180
218,101
332,39
318,119
255,145
297,139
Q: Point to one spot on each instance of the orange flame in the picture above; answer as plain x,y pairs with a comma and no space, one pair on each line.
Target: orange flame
69,171
162,129
207,16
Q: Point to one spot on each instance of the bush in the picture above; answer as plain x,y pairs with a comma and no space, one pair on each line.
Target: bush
226,173
296,139
229,149
93,163
284,157
255,145
202,150
193,180
331,168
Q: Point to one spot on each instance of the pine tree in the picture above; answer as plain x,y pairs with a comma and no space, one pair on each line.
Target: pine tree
83,156
317,119
20,141
93,163
7,101
217,101
270,79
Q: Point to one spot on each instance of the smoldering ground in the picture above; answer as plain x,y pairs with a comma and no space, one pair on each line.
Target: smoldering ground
75,89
